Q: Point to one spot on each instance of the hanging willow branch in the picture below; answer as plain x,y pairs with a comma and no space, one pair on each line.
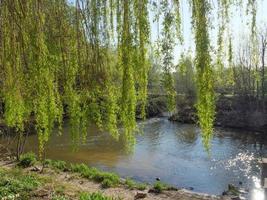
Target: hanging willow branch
205,82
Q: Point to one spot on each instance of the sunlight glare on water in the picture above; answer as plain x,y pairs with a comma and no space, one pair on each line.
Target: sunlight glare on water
257,192
242,161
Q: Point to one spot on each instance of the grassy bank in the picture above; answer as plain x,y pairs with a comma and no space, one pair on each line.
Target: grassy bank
16,184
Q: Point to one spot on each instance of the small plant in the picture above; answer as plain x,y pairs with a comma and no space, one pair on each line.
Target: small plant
27,160
56,164
105,178
159,186
233,190
60,190
133,185
141,186
15,184
48,162
59,197
130,183
94,196
79,168
110,178
59,164
107,183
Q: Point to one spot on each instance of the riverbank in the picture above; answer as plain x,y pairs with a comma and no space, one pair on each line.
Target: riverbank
243,113
58,180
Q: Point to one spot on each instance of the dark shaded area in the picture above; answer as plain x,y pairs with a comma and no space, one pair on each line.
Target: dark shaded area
242,112
156,106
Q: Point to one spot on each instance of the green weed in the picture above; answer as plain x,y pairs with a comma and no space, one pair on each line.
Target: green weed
95,196
15,184
27,160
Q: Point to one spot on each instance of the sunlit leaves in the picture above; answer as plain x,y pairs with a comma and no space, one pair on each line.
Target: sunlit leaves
205,83
60,60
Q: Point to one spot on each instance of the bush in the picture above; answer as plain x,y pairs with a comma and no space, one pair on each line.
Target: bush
27,160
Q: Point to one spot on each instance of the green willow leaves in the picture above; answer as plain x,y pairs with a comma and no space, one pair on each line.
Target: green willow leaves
88,62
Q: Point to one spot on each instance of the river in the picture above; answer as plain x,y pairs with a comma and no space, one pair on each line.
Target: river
174,153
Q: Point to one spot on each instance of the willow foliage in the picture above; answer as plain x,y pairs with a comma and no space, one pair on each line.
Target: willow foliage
169,13
88,62
205,82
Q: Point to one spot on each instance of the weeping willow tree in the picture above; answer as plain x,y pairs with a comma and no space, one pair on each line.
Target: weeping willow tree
57,60
88,61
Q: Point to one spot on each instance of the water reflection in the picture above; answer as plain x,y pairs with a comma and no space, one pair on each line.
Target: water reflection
187,135
173,152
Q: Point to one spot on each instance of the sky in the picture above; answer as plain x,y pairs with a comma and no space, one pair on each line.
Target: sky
239,23
239,26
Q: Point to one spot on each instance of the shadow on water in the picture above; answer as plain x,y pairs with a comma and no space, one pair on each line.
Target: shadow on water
173,152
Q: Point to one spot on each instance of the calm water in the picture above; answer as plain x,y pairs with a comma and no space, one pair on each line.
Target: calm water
173,152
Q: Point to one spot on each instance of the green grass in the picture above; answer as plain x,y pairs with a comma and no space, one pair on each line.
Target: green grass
16,184
131,184
105,178
95,196
56,164
159,186
59,197
27,160
140,186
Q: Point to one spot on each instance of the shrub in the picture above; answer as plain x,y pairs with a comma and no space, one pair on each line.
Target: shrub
27,160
